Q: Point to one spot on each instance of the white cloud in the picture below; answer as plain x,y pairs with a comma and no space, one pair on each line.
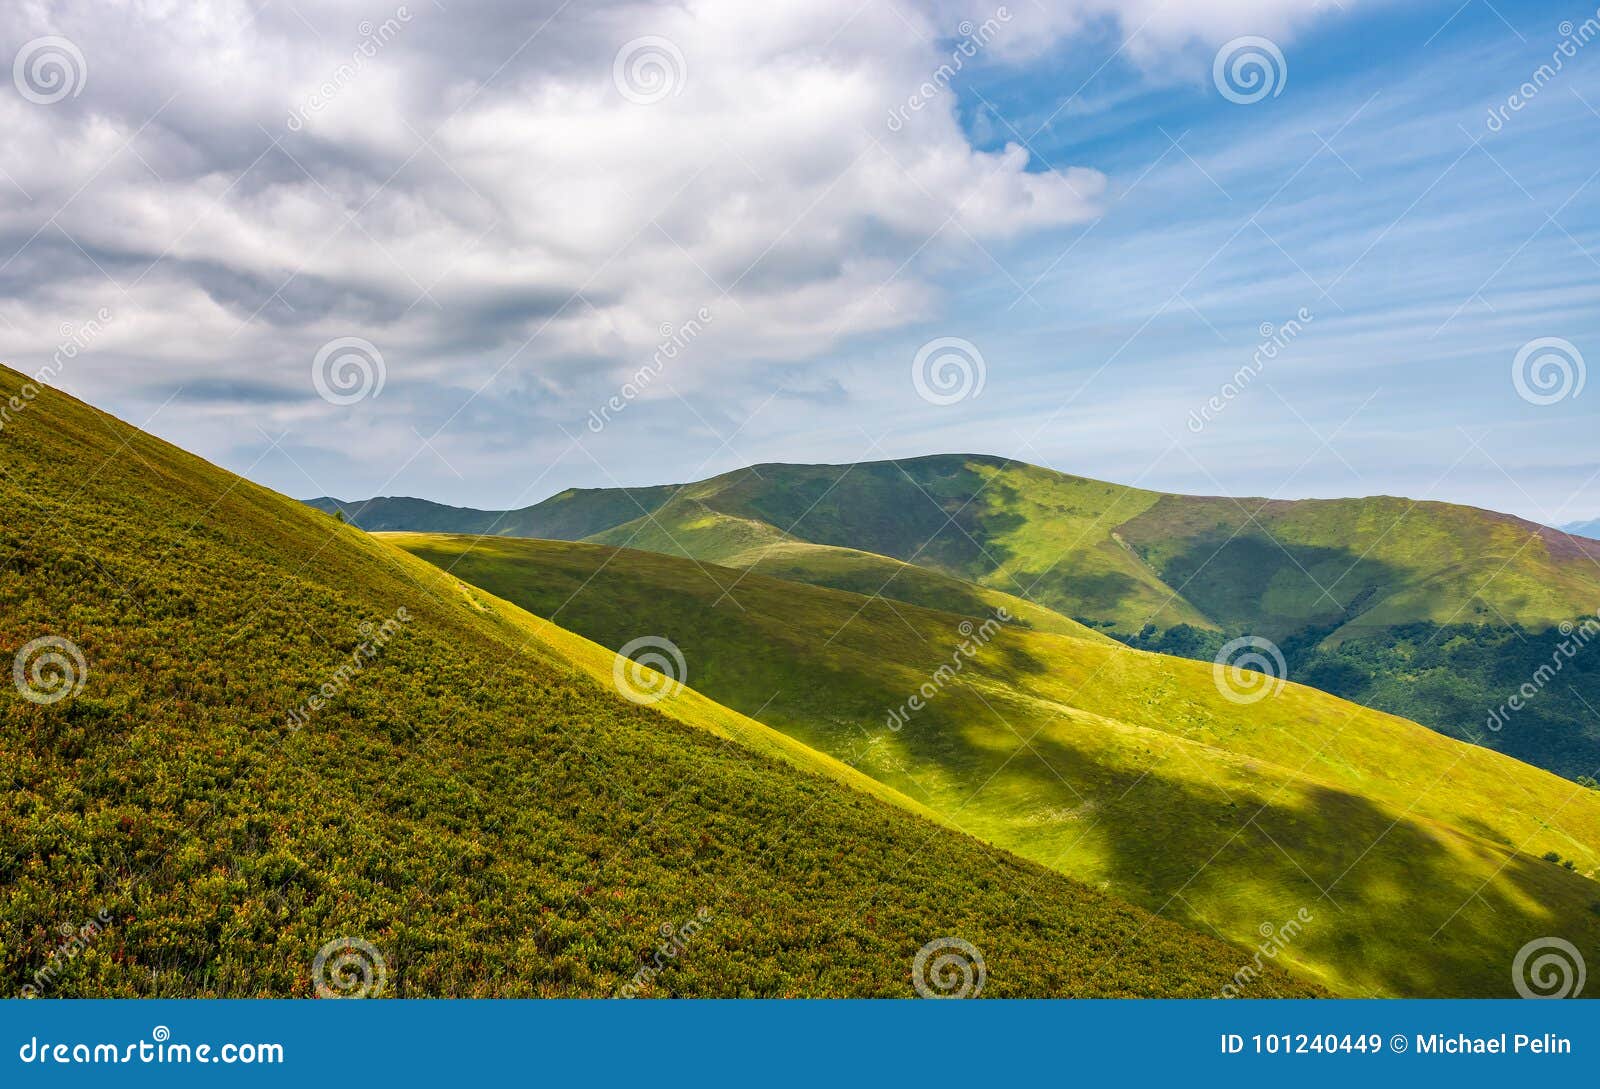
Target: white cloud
468,188
763,176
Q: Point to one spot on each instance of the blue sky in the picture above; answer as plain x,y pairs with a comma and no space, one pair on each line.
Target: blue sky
1112,236
1370,192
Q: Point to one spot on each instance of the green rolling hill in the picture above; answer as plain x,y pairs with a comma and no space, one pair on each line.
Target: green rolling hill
1420,859
576,514
282,731
1429,610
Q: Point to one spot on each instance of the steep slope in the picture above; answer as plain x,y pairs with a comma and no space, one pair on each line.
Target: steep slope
1417,858
276,732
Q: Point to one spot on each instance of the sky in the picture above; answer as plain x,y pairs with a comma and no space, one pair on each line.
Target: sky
483,252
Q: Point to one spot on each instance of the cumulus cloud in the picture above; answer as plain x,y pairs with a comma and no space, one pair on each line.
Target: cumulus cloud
522,193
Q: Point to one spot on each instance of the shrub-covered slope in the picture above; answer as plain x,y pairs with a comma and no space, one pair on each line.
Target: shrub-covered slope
284,733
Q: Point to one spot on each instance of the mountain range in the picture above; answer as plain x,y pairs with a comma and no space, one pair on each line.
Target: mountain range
1429,610
780,733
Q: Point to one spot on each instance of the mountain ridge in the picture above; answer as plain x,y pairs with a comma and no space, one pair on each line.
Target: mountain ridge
615,515
1430,610
330,503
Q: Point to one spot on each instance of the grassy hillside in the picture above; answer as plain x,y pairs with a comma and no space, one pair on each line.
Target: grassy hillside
1008,526
1123,557
1437,612
1362,595
1120,558
684,527
1355,566
1419,858
472,796
1463,676
404,512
